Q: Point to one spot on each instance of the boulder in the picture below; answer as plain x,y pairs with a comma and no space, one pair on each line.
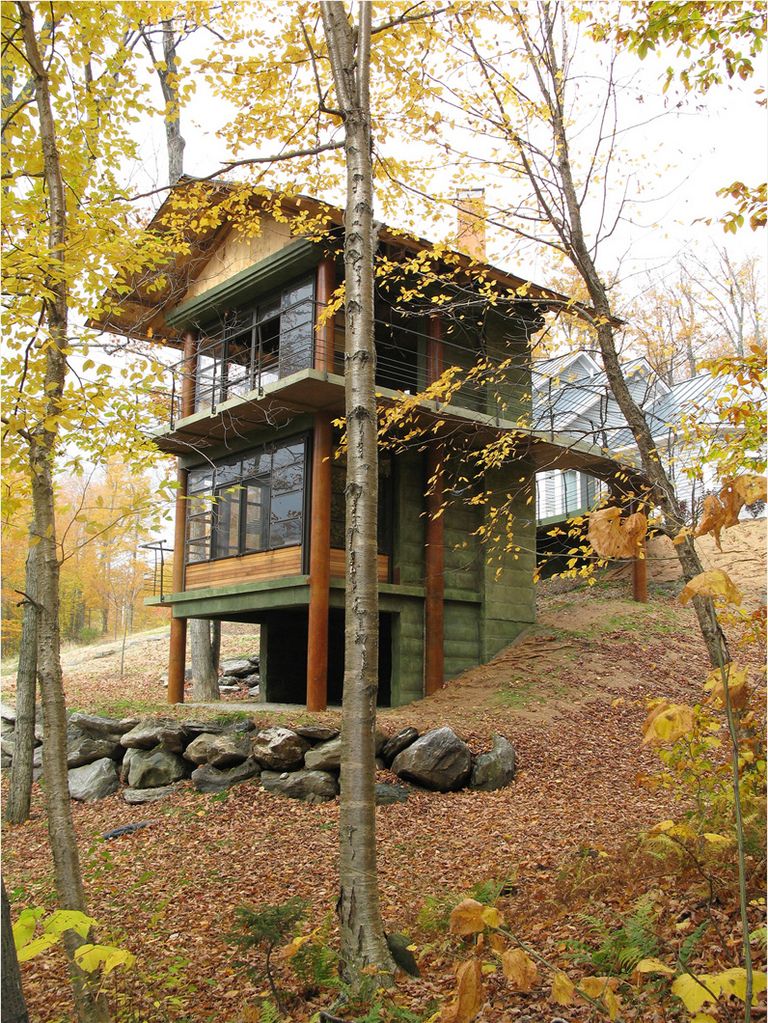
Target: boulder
251,680
325,757
218,750
229,689
93,781
317,733
279,749
212,779
8,713
138,796
439,760
309,786
126,764
192,729
7,727
386,794
239,667
86,749
150,733
151,769
496,769
255,661
399,741
255,691
98,727
8,746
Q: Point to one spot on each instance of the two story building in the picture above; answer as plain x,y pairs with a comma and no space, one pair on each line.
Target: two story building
259,531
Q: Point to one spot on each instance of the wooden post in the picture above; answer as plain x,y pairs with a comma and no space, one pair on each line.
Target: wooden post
189,374
434,569
319,566
178,645
325,332
640,575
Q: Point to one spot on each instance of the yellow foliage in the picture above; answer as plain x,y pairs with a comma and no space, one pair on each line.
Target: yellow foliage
715,583
469,996
694,992
563,991
667,722
654,966
603,988
519,969
738,690
612,537
472,917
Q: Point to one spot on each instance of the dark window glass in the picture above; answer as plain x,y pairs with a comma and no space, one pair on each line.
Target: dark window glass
226,532
228,472
256,501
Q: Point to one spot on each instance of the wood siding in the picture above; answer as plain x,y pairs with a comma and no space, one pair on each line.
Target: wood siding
247,567
338,566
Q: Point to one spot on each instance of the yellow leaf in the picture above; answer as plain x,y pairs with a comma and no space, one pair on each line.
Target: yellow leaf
654,966
690,992
667,722
492,917
519,969
602,988
467,917
469,996
738,689
563,992
715,583
612,537
715,839
734,982
289,951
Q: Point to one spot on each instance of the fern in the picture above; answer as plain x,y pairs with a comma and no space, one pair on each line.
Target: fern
618,951
316,965
690,943
268,1012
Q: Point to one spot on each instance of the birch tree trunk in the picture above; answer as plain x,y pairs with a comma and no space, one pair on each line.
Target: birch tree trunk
90,1006
20,788
205,668
363,942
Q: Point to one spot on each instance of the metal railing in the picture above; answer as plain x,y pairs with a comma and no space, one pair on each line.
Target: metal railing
159,580
230,365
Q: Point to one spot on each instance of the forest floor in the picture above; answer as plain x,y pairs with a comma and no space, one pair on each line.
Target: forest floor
563,843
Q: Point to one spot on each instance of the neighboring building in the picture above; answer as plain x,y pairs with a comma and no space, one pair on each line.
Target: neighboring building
260,535
571,395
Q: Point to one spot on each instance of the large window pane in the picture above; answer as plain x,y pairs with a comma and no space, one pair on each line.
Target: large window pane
256,498
226,533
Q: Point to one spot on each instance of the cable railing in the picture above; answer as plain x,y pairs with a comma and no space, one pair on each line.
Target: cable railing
158,580
243,363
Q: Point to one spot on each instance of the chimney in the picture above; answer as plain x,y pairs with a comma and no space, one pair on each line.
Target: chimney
470,223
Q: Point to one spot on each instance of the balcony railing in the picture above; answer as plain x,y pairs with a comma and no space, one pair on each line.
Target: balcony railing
237,363
158,580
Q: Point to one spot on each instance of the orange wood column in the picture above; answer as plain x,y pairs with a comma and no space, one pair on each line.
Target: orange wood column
178,645
640,575
324,332
188,375
319,566
434,568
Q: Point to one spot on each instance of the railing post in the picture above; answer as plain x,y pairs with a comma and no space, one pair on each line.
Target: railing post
324,332
434,567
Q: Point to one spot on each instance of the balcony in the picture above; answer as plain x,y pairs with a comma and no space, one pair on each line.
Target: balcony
266,366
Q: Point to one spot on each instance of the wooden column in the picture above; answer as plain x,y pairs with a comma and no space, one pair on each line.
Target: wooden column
640,575
434,569
319,565
189,374
178,644
324,332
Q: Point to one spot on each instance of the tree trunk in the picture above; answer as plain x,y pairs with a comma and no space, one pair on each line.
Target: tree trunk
363,942
205,667
571,231
12,1004
20,788
90,1006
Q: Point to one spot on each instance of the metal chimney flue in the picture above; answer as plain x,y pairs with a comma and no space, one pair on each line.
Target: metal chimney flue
470,223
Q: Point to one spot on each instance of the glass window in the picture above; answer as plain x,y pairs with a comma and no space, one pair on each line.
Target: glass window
226,532
256,501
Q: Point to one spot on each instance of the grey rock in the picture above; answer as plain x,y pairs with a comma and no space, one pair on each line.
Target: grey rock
251,680
229,689
279,749
218,750
379,764
126,764
386,794
317,733
399,741
309,786
212,779
255,661
496,769
237,666
5,759
151,769
8,746
254,691
239,727
150,733
138,796
192,729
7,712
380,740
439,760
93,781
7,727
325,757
98,727
86,749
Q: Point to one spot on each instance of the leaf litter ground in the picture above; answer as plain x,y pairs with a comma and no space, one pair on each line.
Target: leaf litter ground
570,696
